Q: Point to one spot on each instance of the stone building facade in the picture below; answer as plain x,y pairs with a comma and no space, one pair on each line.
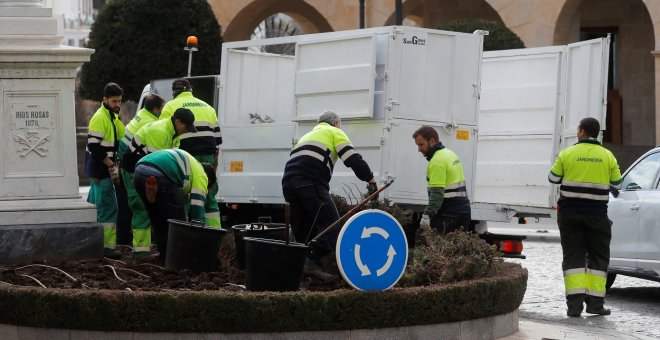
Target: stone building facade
634,90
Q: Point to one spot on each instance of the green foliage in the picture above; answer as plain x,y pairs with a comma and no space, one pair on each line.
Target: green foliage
140,40
443,259
499,36
232,312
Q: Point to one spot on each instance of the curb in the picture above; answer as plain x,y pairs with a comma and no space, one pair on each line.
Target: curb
543,235
492,327
544,329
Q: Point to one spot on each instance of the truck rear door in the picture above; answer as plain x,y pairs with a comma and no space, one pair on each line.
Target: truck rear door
255,112
531,100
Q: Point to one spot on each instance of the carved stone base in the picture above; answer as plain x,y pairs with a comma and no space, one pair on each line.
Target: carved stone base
50,243
46,210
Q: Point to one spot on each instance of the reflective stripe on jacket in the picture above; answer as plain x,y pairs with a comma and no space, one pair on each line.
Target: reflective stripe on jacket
105,131
446,171
150,138
207,138
316,152
186,172
142,118
586,172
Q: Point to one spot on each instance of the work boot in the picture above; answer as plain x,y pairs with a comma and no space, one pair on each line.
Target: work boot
573,313
575,304
600,310
112,254
313,268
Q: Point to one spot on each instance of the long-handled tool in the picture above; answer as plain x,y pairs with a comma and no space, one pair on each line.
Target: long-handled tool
350,212
287,221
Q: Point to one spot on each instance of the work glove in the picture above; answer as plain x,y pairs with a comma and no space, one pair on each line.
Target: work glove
422,234
371,188
425,223
114,174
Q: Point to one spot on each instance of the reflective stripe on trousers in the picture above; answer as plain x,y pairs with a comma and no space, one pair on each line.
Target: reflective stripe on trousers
585,281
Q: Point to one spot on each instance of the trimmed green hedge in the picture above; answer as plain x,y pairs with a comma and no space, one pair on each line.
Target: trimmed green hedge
231,312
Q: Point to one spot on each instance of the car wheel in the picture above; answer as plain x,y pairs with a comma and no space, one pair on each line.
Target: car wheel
610,281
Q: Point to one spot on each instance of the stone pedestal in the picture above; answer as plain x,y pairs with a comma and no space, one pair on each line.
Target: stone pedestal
42,216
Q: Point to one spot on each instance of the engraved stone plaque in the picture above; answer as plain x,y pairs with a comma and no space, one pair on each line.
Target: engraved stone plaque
32,138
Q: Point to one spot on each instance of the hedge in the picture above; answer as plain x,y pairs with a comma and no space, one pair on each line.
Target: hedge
234,312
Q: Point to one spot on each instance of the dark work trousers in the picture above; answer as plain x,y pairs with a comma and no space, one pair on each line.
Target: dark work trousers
124,216
169,205
585,244
446,223
307,200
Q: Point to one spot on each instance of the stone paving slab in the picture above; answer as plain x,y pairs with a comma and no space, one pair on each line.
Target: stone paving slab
534,329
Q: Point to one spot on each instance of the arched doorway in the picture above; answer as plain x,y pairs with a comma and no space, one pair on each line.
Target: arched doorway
631,95
244,23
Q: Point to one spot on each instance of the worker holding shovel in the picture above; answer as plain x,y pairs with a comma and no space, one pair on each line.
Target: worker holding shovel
305,185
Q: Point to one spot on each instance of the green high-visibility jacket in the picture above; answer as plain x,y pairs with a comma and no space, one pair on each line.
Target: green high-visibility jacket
446,183
316,153
186,172
586,172
207,138
142,118
105,131
158,135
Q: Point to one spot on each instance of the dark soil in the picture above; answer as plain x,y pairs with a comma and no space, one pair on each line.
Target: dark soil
134,275
148,275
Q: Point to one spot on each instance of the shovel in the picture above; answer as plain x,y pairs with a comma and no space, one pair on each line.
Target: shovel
350,212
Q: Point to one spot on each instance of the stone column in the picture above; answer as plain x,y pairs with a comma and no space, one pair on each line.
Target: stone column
656,57
42,216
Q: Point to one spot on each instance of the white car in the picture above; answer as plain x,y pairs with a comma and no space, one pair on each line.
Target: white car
635,213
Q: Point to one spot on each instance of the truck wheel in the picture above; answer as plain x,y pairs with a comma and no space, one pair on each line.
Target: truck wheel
610,281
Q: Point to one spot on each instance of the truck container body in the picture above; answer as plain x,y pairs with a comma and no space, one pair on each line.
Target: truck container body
506,114
384,83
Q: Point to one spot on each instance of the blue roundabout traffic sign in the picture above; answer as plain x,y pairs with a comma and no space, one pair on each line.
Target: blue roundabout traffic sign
372,250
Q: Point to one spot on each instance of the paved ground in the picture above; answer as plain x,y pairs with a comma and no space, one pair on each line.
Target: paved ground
635,303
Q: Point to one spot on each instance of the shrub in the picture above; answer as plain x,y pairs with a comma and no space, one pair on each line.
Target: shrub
444,259
136,41
499,36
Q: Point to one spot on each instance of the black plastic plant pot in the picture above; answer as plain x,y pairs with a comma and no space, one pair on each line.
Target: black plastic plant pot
273,265
193,246
272,231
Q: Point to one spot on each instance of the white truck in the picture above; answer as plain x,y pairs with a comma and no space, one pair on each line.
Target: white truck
506,114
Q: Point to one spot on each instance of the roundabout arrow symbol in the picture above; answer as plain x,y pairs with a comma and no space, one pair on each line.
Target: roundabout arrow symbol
390,257
363,268
366,232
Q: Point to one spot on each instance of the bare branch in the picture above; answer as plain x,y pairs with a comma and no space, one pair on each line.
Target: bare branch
114,272
116,261
35,280
351,195
235,285
150,265
45,266
134,272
